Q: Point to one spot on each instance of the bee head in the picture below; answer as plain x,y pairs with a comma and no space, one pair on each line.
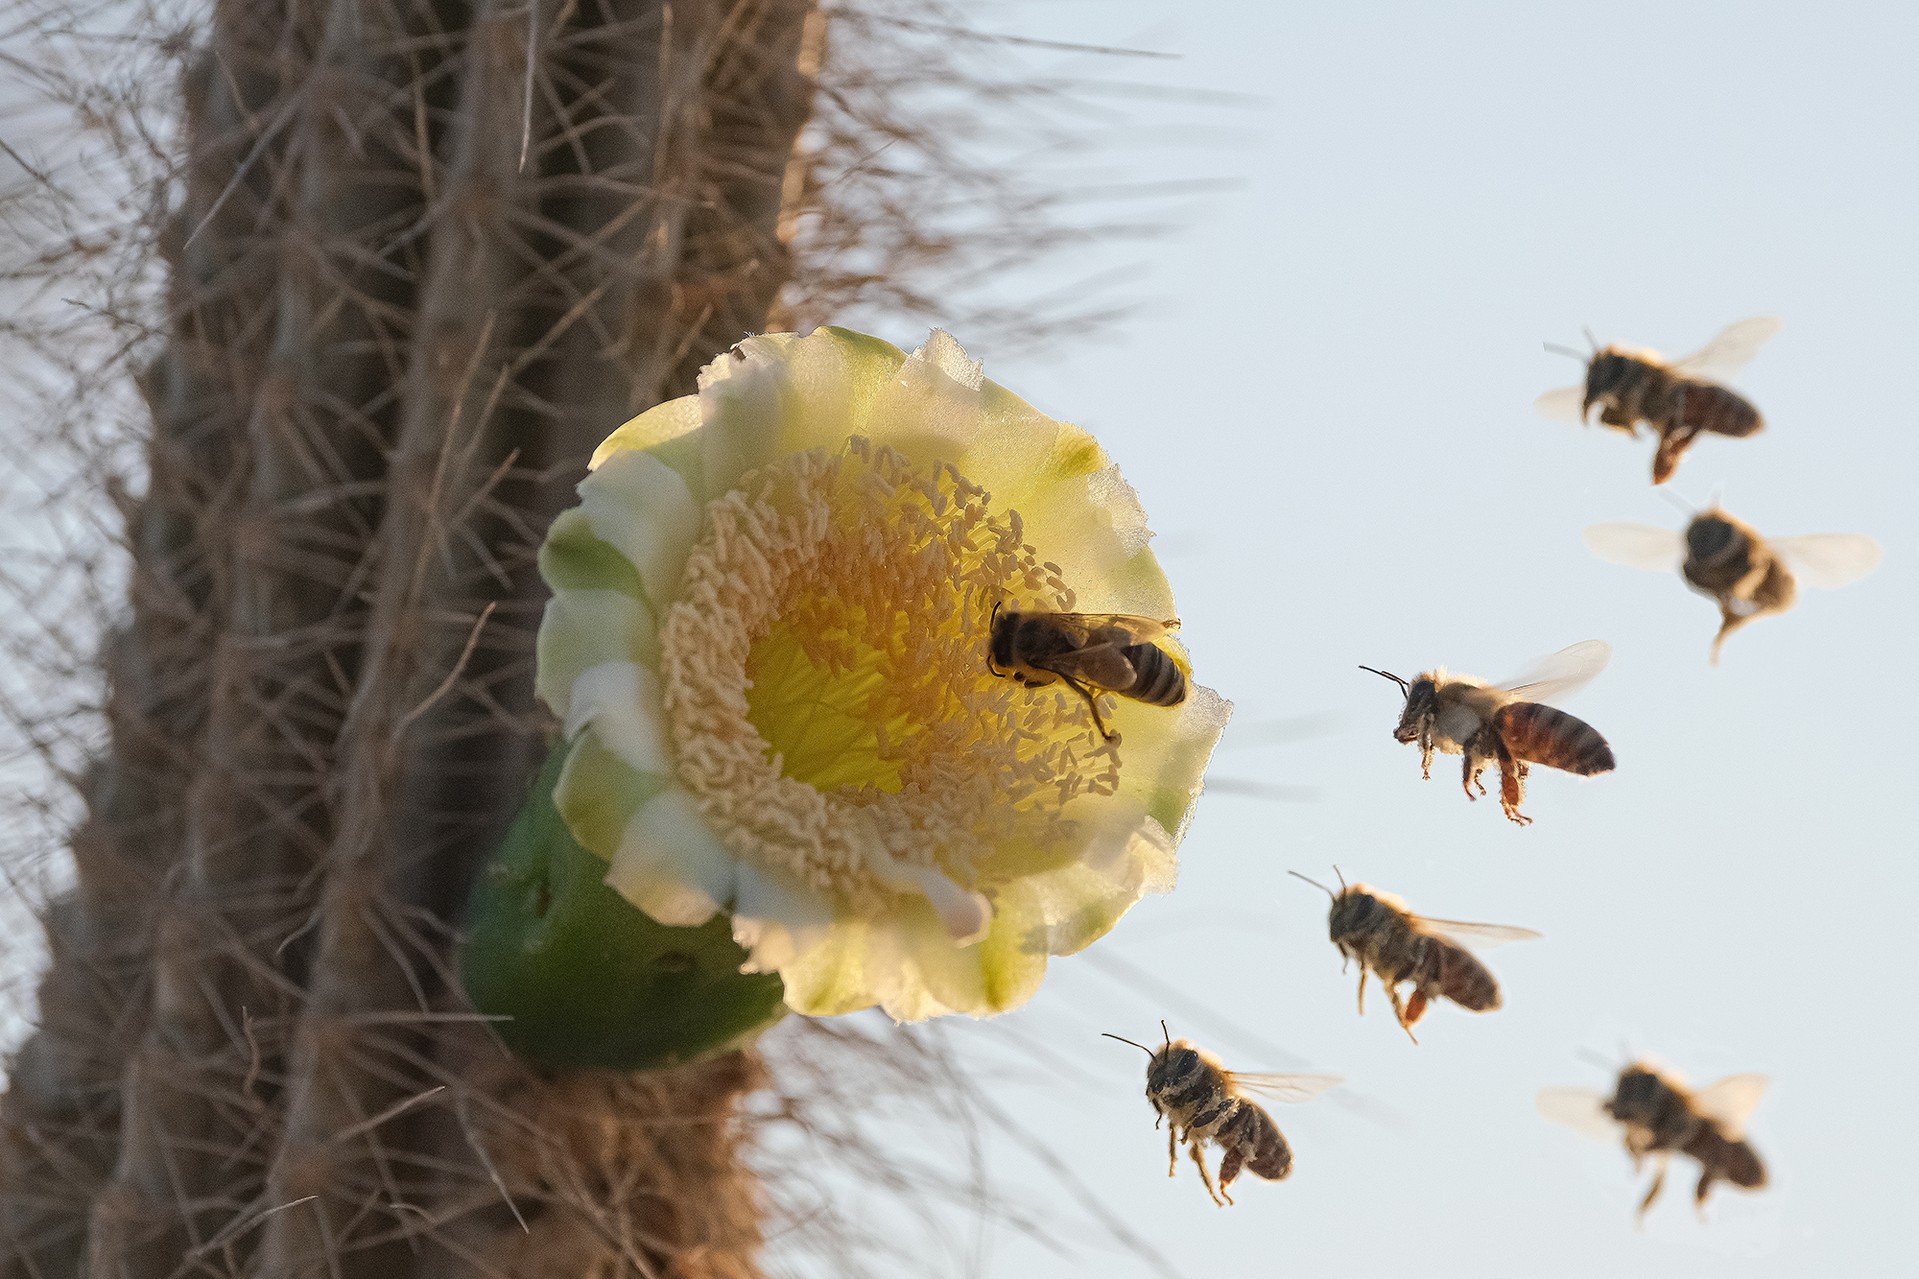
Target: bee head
1606,374
1001,628
1350,904
1354,911
1712,536
1422,703
1637,1093
1168,1062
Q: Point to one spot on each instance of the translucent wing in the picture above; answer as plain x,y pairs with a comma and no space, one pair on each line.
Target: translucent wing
1102,666
1293,1088
1563,672
1121,628
1662,550
1731,350
1730,1102
1477,936
1564,404
1828,559
1580,1109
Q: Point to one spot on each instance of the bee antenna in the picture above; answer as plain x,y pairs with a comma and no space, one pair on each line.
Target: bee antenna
1587,330
1165,1032
1124,1040
1718,496
1684,506
1588,1055
1342,879
1576,354
1403,686
1316,884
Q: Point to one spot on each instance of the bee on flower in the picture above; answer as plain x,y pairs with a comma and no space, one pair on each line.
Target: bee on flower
769,644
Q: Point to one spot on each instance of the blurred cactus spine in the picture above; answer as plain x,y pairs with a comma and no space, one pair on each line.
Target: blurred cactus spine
421,257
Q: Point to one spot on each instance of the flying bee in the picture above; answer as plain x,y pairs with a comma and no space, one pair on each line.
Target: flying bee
1389,940
1659,1116
1507,724
1091,653
1679,399
1723,558
1200,1100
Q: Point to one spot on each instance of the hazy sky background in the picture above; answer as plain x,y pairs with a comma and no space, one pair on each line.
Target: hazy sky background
1326,412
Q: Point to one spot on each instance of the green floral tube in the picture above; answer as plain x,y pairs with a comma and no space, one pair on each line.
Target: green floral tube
577,977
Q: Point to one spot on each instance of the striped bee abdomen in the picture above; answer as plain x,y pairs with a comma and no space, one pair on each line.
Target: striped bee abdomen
1706,407
1540,734
1253,1138
1157,678
1466,981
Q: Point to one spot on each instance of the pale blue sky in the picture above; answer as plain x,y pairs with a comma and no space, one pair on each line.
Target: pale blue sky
1326,414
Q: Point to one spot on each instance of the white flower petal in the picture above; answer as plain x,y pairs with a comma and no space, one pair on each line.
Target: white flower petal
670,865
776,920
643,507
943,352
621,700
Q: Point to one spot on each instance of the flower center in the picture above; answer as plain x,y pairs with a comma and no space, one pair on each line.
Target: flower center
826,683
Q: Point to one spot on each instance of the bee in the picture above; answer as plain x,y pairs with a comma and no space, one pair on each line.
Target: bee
1389,940
1200,1100
1507,724
1659,1116
1723,558
1679,400
1091,653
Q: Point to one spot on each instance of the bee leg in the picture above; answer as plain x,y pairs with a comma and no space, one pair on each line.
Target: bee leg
1362,990
1426,750
1172,1149
1206,1178
1406,1020
1512,784
1700,1191
1470,769
1415,1009
1092,704
1673,443
1729,622
1229,1165
1652,1192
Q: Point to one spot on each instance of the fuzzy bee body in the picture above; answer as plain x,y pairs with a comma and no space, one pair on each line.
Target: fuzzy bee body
1200,1101
1659,1117
1091,653
1726,560
1489,724
1399,947
1676,399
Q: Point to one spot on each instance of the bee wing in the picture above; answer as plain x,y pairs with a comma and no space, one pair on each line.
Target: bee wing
1828,559
1662,550
1571,668
1580,1109
1292,1088
1731,350
1121,628
1101,666
1476,936
1563,404
1729,1103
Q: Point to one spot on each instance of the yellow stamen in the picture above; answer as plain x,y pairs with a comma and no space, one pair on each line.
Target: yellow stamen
826,685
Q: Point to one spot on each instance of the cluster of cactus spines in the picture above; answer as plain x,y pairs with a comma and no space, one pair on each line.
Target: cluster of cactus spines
406,298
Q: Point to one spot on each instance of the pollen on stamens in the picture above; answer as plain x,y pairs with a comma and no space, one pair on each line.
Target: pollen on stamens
825,679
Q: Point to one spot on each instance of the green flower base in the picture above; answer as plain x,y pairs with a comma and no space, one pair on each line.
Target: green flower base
580,978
